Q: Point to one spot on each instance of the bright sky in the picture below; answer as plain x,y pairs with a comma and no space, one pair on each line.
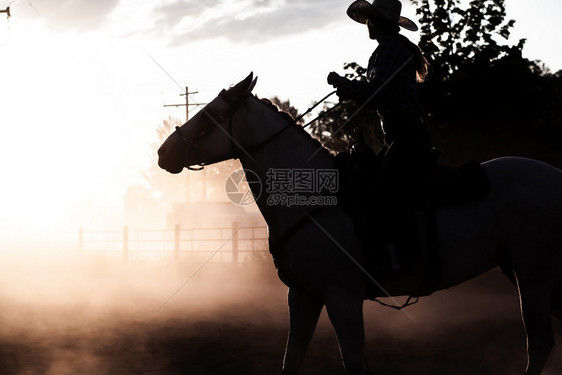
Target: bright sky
80,98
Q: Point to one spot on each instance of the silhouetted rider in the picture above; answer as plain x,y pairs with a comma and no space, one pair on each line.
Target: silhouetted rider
390,88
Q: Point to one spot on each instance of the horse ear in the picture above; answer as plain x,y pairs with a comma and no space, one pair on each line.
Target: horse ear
243,87
252,85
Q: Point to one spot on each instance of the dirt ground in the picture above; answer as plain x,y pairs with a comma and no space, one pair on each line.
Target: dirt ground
98,317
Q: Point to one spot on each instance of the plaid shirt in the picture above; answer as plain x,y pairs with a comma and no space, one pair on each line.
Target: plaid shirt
391,73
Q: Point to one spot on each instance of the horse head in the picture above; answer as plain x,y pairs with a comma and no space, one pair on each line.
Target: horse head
207,137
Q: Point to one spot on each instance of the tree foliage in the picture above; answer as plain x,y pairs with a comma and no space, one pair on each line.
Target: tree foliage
336,130
285,106
163,192
454,37
482,98
166,187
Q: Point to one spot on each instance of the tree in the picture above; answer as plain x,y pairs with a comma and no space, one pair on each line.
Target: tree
336,130
147,204
459,43
454,38
285,106
482,98
187,186
470,58
164,192
165,187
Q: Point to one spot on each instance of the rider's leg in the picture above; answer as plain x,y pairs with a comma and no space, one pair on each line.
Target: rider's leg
401,183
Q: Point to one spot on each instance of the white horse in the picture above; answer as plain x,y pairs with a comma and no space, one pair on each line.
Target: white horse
517,225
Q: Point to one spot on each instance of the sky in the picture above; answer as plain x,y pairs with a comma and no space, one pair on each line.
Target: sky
83,84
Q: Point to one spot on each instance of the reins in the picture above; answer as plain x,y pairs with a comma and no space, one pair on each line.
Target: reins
296,121
234,106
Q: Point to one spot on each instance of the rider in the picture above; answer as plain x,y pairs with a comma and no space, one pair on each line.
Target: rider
390,88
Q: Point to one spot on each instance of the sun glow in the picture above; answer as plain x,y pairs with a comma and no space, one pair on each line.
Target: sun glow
80,100
64,138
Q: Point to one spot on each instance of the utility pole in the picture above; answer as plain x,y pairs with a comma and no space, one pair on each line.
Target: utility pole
189,197
7,11
187,103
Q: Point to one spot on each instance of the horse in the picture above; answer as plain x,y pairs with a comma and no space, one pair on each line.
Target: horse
516,225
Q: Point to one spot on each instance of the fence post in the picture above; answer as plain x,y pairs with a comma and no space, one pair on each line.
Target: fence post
81,240
125,242
235,229
177,242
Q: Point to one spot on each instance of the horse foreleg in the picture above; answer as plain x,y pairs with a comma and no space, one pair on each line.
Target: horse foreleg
535,299
304,311
346,315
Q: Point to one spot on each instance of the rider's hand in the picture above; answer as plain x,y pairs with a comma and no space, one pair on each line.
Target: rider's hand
342,84
345,91
334,79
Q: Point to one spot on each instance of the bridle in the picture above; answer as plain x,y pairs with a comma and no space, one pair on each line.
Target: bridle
218,120
188,141
233,106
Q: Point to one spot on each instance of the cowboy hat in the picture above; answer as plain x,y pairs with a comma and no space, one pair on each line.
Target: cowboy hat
361,11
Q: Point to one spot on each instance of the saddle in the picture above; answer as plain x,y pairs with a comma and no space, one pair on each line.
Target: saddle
413,258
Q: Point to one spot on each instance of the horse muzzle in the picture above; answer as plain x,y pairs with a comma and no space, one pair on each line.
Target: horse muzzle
168,162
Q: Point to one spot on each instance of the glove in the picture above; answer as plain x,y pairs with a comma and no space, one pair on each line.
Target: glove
343,85
345,91
334,78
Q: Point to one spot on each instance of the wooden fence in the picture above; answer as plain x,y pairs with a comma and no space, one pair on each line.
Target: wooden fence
224,244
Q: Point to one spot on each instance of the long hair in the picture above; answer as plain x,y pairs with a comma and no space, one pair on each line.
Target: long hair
422,66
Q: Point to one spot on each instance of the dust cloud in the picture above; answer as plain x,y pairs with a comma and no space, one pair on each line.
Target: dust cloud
95,315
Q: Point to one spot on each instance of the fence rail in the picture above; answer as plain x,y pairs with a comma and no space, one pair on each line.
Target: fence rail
233,244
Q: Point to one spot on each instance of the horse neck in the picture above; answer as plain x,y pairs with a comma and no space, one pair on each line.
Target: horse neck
290,150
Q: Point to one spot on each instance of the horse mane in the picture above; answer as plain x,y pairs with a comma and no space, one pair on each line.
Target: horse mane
289,118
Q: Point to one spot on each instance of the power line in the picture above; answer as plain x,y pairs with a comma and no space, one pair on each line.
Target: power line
32,7
187,103
164,70
7,11
186,94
